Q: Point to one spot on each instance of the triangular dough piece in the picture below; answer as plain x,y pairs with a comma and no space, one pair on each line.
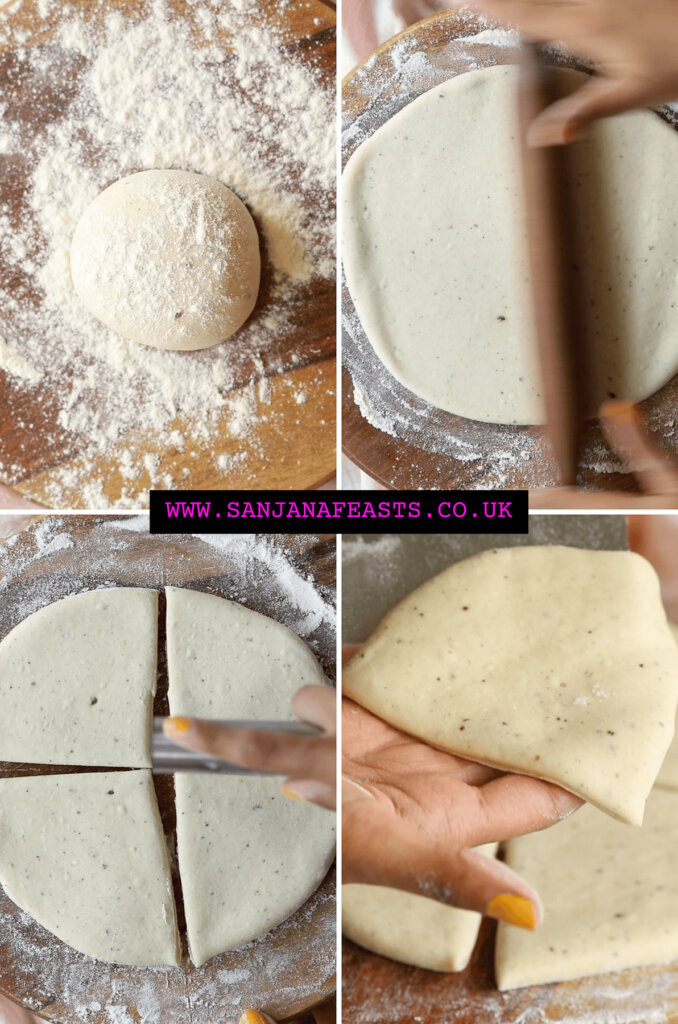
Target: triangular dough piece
85,855
410,928
77,680
610,896
548,661
248,855
668,774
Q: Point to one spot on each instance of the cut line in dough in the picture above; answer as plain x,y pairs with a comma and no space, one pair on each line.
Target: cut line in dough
248,855
85,855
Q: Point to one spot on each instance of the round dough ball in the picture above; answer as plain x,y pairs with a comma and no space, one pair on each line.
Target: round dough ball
167,258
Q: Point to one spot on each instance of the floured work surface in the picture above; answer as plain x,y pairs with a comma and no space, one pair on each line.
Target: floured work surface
292,967
92,92
397,438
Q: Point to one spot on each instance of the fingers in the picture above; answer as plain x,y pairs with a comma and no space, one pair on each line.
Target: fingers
567,119
513,805
457,876
278,753
312,791
256,1017
623,427
317,705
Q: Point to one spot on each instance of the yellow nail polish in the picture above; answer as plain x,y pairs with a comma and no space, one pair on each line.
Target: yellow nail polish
290,792
253,1017
176,725
512,909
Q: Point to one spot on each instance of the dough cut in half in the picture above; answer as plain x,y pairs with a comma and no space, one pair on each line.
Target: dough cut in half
610,896
77,680
248,855
410,928
85,855
436,259
553,662
167,258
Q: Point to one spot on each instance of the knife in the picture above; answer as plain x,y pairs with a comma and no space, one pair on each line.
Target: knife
167,756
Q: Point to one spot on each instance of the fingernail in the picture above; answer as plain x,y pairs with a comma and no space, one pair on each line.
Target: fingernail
621,411
286,791
254,1017
512,909
174,725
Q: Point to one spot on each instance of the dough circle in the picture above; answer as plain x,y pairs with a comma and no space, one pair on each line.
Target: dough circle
167,258
436,259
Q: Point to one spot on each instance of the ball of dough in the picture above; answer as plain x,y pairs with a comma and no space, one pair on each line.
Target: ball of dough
167,258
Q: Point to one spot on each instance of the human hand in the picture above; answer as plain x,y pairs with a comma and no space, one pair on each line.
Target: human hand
309,761
657,475
633,43
412,816
325,1014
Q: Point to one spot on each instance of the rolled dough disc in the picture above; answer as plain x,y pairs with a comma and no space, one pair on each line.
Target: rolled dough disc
85,855
248,855
77,680
610,896
410,928
167,258
548,661
436,259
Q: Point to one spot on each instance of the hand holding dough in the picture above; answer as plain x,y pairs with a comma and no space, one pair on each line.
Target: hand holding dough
412,815
548,661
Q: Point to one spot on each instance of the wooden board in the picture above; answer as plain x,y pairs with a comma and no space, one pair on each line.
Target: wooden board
379,991
428,447
285,972
298,441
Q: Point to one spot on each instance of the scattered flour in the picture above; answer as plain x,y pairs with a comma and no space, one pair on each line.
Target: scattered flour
210,91
488,456
62,555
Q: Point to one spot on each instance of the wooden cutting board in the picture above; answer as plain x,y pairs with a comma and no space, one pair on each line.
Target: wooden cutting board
287,971
424,447
298,441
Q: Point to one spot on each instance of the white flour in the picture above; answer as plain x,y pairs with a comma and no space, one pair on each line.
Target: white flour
209,92
491,456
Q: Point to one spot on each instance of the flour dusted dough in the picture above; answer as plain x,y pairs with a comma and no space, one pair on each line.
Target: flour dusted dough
610,896
77,680
410,928
436,260
248,856
167,258
668,775
85,855
549,661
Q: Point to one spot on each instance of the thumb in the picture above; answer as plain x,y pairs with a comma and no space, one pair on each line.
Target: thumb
567,119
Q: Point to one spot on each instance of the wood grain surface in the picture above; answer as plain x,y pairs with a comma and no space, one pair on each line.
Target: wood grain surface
418,455
298,441
379,991
284,973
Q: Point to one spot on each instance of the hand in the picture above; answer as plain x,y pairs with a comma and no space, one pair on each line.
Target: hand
325,1014
310,762
633,43
657,475
412,815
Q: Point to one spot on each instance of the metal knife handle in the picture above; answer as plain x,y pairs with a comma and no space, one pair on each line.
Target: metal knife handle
167,756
